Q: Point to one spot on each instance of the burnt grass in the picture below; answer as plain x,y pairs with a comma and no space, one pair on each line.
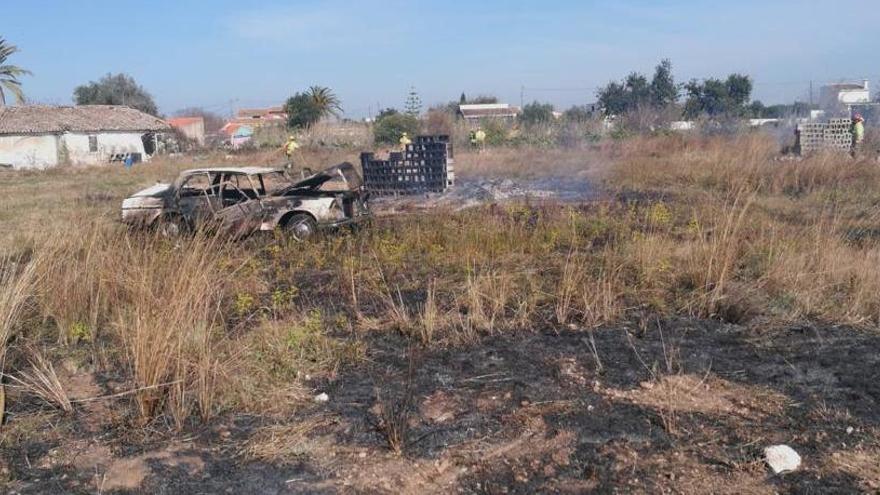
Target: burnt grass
509,388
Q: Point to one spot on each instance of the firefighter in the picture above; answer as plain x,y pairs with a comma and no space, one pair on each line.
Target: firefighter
289,149
858,134
404,141
480,138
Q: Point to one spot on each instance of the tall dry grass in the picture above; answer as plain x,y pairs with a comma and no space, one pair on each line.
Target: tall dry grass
707,227
16,281
172,293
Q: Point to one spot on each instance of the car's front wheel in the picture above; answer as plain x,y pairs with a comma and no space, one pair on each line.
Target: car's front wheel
171,226
302,227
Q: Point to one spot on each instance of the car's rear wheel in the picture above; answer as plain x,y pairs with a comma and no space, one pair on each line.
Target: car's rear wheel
301,227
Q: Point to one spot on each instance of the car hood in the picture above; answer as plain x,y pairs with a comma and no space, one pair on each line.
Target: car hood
154,191
344,173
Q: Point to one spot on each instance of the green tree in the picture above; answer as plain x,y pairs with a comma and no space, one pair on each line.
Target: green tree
739,90
664,92
385,113
9,74
635,92
536,113
638,91
413,104
757,110
325,101
613,99
118,89
390,126
714,97
302,111
578,113
483,100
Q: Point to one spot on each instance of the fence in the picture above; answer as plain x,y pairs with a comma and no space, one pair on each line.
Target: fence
423,166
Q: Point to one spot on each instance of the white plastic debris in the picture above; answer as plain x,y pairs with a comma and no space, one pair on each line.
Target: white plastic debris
322,397
849,430
782,458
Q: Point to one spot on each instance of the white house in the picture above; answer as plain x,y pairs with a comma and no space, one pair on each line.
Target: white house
38,136
844,94
473,114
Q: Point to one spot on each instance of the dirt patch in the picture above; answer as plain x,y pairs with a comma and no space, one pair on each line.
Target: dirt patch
862,464
440,407
85,393
704,394
129,473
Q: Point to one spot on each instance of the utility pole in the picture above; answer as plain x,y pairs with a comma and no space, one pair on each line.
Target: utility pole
811,94
522,95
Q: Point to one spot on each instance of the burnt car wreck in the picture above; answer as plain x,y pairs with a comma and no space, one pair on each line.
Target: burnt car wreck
244,200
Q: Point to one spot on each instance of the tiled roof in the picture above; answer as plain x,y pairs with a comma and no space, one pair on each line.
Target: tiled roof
184,121
41,119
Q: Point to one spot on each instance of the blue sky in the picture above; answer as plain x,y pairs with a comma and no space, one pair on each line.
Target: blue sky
223,54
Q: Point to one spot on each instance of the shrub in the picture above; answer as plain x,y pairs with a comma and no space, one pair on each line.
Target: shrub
302,111
390,127
438,122
536,113
496,132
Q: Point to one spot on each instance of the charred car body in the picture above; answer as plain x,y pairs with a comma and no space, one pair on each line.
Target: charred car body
240,201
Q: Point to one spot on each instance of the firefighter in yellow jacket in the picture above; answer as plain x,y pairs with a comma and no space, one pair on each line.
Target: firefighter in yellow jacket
289,149
405,141
858,134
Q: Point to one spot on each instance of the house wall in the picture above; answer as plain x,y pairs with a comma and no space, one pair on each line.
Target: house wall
855,96
29,151
109,143
830,97
194,131
48,150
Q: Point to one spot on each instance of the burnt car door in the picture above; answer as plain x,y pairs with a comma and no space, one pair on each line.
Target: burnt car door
197,198
241,210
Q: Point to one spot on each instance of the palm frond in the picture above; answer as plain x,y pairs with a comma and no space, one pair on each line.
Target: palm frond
325,100
13,87
9,74
13,71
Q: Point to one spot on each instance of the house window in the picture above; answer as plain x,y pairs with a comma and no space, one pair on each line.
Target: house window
93,144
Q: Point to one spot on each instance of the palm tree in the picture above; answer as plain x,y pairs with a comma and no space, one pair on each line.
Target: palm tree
325,100
9,74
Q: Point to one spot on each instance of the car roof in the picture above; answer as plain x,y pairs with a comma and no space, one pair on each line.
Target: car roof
233,170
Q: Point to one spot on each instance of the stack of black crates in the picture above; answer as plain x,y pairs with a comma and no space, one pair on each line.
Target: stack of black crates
424,166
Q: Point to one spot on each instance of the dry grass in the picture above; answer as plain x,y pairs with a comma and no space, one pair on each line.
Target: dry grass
712,227
42,381
286,443
173,294
17,277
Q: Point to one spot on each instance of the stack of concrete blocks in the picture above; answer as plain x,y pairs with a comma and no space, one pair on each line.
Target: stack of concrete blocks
836,134
422,167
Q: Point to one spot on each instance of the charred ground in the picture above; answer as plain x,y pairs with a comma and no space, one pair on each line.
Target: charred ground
678,406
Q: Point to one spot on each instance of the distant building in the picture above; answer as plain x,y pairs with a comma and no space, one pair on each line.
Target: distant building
38,136
237,135
258,115
844,94
474,114
191,127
